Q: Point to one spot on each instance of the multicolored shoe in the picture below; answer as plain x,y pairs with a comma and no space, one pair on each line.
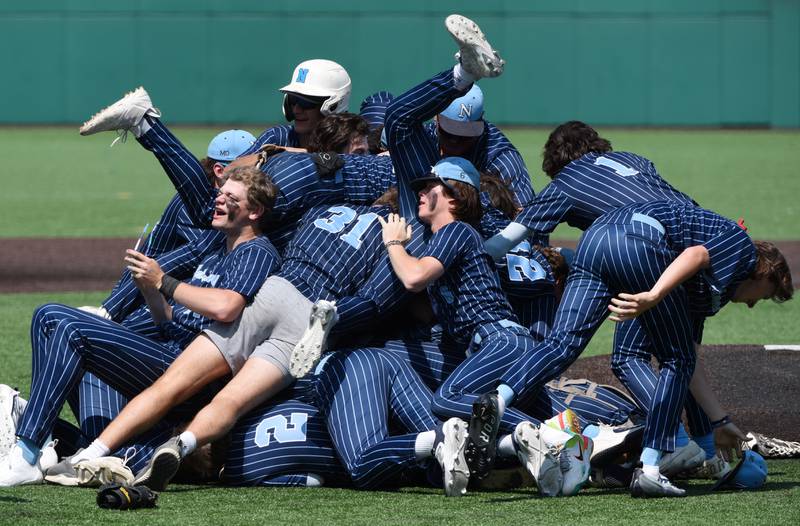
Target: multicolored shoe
539,457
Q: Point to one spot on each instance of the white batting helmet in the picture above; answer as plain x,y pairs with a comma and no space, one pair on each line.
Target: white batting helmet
319,79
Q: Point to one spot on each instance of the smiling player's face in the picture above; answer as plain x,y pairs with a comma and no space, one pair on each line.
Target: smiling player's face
231,207
432,202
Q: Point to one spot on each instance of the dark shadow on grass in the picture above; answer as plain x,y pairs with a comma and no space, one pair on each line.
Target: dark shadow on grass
15,500
186,489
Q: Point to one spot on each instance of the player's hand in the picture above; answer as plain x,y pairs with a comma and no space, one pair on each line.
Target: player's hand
728,439
266,151
395,228
627,306
146,271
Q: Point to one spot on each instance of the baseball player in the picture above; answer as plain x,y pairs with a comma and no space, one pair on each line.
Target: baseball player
318,88
690,262
373,109
460,129
332,257
588,180
175,228
66,341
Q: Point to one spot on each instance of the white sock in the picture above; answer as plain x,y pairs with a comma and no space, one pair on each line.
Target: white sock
462,79
501,407
141,128
314,481
505,446
651,471
188,443
423,446
95,450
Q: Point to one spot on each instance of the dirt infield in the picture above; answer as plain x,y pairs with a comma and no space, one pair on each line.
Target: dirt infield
761,388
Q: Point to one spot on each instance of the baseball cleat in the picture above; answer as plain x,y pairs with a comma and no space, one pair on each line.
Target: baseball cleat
565,421
539,458
162,466
475,53
713,468
309,349
611,476
573,460
89,473
11,408
451,441
97,311
15,470
645,486
688,457
482,435
123,115
611,442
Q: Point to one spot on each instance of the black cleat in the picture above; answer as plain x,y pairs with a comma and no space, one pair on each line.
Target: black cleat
482,435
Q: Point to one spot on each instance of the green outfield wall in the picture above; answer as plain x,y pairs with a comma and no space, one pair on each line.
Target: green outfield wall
623,62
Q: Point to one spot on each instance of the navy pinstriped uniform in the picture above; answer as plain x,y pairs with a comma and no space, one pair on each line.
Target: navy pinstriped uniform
360,392
581,192
282,135
493,152
338,254
626,251
467,299
279,444
175,228
66,342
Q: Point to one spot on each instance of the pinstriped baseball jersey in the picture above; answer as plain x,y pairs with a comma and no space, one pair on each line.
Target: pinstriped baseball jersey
241,270
592,185
493,152
627,250
179,263
730,249
67,342
468,294
280,443
282,135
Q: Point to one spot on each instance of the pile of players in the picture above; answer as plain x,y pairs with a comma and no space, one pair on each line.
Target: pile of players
416,253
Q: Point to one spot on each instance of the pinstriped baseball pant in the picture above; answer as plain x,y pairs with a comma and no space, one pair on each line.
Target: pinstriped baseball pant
360,392
615,258
67,342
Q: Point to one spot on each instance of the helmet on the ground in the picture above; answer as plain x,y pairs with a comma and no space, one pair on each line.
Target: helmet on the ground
749,473
319,80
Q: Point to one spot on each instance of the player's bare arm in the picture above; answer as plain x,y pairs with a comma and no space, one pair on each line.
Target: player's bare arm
415,273
628,306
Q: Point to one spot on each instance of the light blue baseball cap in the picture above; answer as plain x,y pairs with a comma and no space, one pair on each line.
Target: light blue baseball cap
464,116
229,145
749,473
451,169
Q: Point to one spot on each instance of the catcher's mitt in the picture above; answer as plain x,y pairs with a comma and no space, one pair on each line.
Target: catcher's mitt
771,447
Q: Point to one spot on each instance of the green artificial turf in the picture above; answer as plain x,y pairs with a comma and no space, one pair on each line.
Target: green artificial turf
63,184
775,504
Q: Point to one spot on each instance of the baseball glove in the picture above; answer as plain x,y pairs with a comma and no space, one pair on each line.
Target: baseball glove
772,447
266,151
123,497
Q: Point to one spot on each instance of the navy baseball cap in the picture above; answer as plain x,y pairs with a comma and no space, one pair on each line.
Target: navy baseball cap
749,473
373,108
229,145
464,116
450,169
